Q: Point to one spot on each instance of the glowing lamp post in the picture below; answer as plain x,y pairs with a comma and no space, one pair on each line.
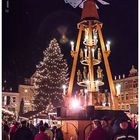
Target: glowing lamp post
72,45
25,90
108,45
118,88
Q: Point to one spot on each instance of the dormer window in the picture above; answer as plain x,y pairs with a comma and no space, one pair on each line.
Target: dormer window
133,71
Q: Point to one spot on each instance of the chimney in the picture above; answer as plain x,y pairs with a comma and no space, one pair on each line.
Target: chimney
119,76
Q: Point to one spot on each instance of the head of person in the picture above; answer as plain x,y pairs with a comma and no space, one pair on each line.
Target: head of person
54,127
5,122
41,122
59,126
104,122
96,123
23,123
17,123
41,128
46,125
123,124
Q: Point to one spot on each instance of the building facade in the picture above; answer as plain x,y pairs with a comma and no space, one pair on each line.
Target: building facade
26,93
11,100
127,90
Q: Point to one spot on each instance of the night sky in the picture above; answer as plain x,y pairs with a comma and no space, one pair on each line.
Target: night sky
29,25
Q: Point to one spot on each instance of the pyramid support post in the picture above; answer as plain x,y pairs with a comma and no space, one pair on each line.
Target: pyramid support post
107,66
75,57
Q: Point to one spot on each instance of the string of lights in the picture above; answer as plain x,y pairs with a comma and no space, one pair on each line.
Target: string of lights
50,75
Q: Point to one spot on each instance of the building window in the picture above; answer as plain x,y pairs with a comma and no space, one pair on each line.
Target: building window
126,95
125,85
135,84
8,100
14,99
122,97
119,97
136,95
123,107
119,107
127,107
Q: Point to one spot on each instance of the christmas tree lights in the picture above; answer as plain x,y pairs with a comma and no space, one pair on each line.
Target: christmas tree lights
50,75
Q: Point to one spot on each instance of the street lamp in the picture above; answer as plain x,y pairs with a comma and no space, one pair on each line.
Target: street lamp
118,88
72,45
25,90
108,45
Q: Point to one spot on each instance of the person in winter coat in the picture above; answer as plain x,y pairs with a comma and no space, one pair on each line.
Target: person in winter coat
107,127
13,129
48,131
33,129
126,132
6,127
59,134
98,133
23,133
41,135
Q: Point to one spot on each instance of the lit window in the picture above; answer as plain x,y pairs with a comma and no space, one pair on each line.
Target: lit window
127,107
118,89
123,107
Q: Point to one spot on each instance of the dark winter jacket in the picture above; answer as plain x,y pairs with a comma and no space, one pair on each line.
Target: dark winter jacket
23,133
59,134
6,128
13,130
4,135
41,136
128,134
98,134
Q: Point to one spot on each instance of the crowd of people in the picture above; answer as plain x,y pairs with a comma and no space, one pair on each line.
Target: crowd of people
27,131
104,129
119,129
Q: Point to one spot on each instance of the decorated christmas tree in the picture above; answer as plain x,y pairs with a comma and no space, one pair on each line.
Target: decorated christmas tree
50,75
